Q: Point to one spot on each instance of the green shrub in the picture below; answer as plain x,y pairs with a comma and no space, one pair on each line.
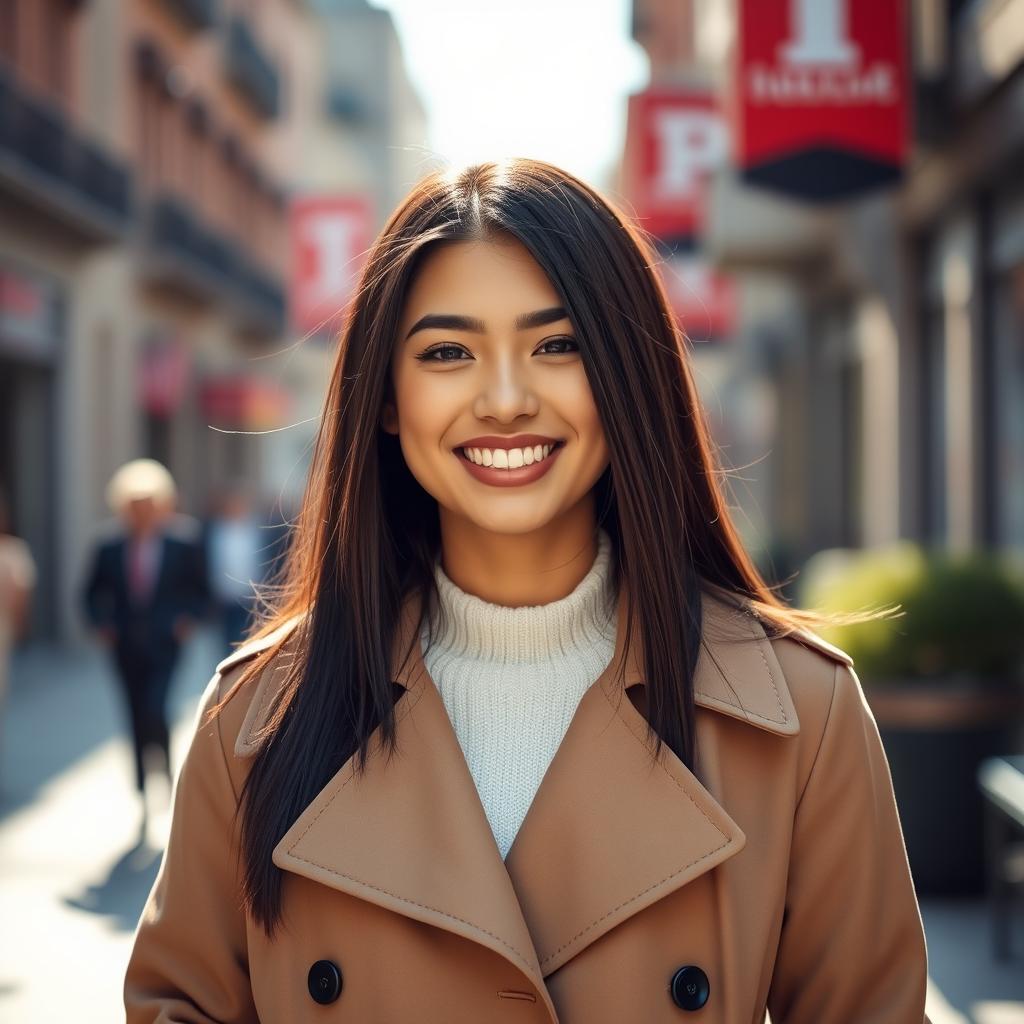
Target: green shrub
962,614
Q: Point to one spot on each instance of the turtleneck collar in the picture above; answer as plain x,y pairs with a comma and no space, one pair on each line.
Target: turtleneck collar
473,628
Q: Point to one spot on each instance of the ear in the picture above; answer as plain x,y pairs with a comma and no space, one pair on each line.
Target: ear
389,418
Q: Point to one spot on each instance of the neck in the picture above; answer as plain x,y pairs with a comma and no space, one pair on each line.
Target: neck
470,627
521,569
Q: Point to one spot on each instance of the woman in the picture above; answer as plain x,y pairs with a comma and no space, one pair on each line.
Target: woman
525,736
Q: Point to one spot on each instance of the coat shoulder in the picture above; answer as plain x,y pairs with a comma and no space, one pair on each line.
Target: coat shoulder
249,693
811,667
251,648
811,640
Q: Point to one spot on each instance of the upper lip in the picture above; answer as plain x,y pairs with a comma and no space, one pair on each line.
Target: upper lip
516,441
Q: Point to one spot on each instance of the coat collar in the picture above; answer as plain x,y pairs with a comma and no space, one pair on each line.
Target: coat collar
412,836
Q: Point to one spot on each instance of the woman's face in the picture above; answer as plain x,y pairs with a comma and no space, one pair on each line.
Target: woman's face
470,366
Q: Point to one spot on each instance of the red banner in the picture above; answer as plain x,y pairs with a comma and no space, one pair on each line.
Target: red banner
330,236
821,98
252,403
163,372
674,140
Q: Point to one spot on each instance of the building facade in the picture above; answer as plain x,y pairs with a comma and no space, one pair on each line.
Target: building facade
149,151
887,331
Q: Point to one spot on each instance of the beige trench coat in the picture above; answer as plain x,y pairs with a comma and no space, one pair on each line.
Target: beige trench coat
774,878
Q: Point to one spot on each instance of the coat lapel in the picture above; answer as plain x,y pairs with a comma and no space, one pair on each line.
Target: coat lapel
412,836
610,831
607,834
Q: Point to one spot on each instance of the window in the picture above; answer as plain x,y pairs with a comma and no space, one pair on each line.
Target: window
1008,342
56,18
9,22
949,381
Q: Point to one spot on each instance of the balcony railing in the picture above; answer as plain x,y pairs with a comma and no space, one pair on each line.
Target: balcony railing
263,295
251,69
187,250
184,250
61,171
197,14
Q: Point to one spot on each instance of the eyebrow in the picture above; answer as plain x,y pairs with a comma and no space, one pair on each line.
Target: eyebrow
455,322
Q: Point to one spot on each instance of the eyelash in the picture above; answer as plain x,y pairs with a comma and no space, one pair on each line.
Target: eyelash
427,356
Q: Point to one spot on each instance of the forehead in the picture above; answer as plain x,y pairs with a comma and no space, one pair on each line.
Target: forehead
491,279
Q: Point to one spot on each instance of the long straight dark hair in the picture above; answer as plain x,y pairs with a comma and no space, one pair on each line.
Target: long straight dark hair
367,532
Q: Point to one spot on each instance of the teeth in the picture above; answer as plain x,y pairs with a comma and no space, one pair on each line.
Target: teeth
510,458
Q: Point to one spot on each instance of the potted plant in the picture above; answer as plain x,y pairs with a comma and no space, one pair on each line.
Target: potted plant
944,677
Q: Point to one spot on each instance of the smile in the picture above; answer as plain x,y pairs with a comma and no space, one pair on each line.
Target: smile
503,467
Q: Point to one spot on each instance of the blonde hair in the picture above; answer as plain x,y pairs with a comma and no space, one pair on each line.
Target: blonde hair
140,478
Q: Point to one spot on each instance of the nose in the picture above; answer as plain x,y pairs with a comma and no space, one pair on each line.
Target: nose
506,391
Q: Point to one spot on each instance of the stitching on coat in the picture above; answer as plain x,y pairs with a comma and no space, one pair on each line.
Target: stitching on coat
552,955
405,899
402,712
662,881
670,776
220,739
821,741
323,867
265,694
767,668
739,707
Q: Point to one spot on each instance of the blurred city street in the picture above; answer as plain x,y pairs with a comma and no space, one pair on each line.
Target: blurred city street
197,204
71,866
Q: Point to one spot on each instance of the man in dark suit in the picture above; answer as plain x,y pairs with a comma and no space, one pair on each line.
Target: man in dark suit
146,589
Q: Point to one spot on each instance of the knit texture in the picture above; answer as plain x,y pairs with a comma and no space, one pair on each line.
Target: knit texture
511,679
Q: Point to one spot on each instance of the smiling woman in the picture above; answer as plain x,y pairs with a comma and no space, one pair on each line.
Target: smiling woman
516,508
523,734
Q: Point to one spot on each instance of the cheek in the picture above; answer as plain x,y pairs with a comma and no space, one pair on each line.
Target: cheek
576,401
418,405
424,419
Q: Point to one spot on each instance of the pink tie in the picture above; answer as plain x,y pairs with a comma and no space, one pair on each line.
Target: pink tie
137,571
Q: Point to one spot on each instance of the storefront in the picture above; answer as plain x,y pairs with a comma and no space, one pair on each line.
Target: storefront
32,326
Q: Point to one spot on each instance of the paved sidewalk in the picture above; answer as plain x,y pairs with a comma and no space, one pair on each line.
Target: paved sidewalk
74,876
73,873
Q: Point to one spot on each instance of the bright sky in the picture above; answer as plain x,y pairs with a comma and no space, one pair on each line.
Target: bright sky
546,79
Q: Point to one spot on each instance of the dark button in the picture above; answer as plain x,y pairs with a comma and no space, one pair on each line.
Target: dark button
690,988
324,981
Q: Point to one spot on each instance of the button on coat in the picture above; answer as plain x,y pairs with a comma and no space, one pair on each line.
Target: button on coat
324,981
689,988
634,890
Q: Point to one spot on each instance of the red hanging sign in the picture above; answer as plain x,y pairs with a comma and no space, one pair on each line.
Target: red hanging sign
163,372
821,97
674,140
330,236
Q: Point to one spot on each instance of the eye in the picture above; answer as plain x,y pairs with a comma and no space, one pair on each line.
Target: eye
560,341
429,355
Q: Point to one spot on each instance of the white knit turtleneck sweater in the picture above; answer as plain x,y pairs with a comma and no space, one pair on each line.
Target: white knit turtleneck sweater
511,679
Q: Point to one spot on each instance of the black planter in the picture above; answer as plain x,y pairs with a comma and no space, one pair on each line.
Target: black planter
935,738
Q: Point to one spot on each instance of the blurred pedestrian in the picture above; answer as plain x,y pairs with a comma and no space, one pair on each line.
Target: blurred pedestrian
145,591
17,582
233,543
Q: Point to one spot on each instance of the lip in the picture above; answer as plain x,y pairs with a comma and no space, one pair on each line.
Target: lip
509,477
516,441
